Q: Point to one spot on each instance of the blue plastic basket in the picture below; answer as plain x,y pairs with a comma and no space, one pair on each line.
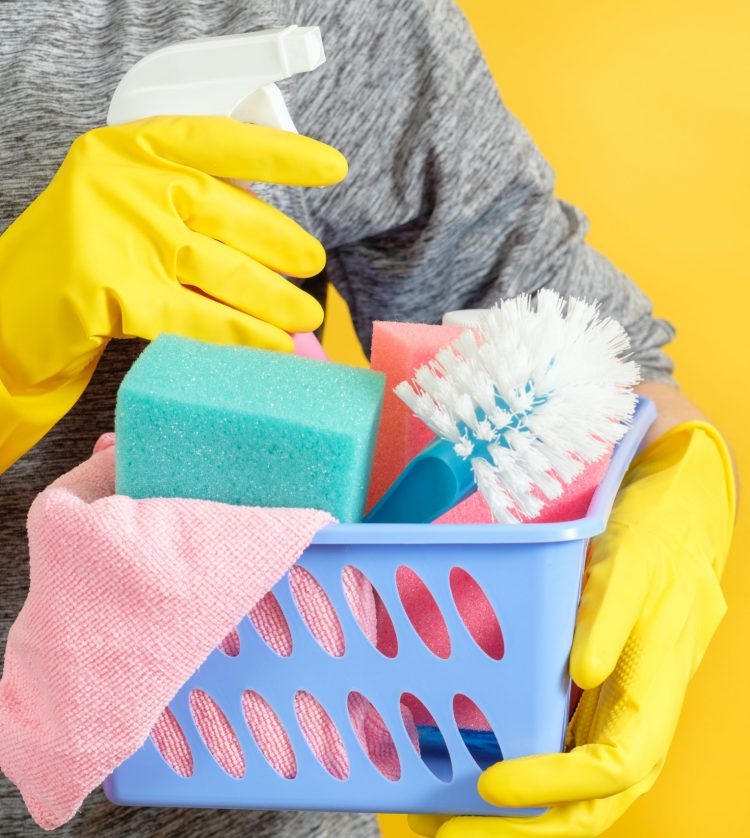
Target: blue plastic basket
531,575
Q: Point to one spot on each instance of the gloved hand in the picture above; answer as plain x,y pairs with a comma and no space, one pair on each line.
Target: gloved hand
136,235
650,604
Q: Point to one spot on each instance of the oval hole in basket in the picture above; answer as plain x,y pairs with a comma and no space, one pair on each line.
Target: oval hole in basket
230,645
426,737
172,744
423,612
269,734
373,735
476,732
369,611
271,625
477,613
217,733
317,611
321,735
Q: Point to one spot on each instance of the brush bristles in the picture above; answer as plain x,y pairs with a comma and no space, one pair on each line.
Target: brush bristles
532,395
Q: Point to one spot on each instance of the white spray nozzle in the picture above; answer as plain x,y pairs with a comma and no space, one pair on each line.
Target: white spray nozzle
231,75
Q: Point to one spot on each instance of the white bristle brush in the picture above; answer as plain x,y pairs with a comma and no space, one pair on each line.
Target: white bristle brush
524,400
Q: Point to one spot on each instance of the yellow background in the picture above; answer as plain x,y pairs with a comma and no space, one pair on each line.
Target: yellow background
643,109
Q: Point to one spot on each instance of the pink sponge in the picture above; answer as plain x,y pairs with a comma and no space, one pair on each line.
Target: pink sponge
573,503
397,350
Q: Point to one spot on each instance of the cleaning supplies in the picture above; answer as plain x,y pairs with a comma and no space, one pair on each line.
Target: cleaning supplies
397,350
531,577
572,503
262,721
247,426
126,599
160,224
229,75
258,428
520,405
650,606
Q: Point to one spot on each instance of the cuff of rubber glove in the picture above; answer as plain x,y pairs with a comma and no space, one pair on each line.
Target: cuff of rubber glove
17,433
721,447
25,419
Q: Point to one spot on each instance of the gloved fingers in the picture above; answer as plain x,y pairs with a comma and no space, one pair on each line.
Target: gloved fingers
611,602
654,668
226,148
628,734
625,597
587,772
191,314
243,221
246,285
584,819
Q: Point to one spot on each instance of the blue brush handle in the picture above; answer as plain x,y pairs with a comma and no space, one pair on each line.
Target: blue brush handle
431,484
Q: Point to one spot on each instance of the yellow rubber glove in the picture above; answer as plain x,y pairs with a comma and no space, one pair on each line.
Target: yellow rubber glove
137,235
651,603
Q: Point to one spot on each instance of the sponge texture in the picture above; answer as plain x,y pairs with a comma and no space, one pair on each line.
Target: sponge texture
246,426
397,350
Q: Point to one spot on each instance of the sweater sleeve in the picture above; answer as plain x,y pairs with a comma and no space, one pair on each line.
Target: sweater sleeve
448,203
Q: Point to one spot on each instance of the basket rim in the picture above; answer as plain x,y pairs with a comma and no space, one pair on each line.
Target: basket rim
594,523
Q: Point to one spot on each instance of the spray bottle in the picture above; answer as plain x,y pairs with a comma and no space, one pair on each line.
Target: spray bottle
229,75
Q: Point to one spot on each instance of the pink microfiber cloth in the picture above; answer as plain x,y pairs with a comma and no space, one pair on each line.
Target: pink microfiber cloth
126,599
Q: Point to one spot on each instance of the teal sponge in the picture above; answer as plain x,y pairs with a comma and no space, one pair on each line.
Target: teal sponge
246,426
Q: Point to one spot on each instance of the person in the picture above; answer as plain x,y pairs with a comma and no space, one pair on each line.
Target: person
447,205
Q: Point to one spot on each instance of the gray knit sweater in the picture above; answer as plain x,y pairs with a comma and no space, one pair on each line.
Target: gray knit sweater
447,205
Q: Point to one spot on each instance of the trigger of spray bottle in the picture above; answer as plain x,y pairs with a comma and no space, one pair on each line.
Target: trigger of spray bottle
229,75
